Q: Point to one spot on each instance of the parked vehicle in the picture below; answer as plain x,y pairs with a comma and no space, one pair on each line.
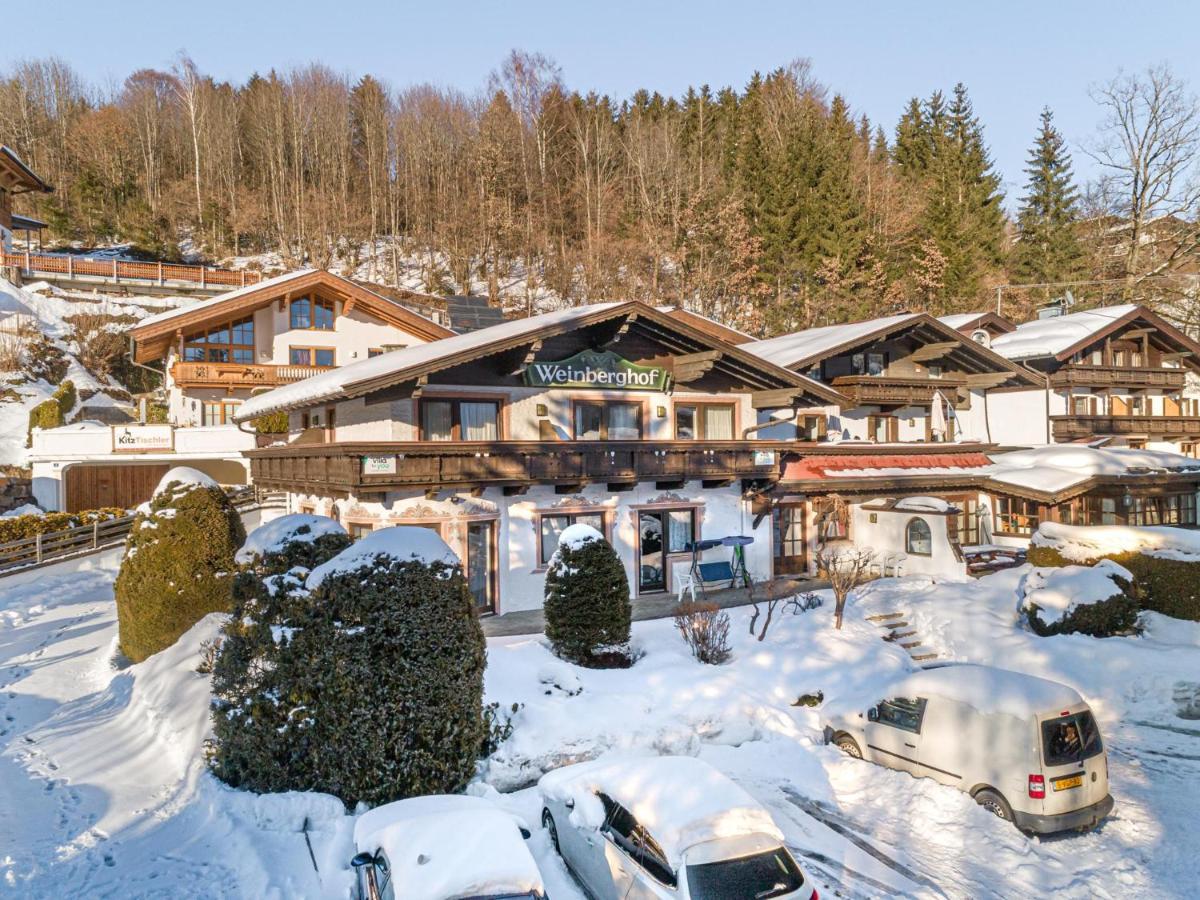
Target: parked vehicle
1027,749
444,848
666,827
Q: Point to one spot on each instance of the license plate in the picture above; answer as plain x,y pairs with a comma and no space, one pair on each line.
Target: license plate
1065,784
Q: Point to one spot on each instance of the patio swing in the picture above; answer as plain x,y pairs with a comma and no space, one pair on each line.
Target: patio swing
732,570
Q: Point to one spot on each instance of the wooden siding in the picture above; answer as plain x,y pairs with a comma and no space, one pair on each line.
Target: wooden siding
124,486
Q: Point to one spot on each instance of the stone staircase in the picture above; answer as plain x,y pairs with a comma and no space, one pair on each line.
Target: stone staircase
898,631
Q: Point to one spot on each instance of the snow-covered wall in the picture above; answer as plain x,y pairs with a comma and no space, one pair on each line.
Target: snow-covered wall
886,535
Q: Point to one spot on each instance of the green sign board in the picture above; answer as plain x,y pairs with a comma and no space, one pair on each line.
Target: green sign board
596,369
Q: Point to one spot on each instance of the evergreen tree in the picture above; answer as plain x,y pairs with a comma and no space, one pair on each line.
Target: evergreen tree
1048,248
587,600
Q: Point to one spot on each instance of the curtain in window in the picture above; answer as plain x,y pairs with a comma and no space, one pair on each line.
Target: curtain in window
679,530
478,421
552,529
718,423
587,421
437,424
623,422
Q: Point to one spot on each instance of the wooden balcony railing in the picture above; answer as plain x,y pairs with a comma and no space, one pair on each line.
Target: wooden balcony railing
365,468
886,390
118,270
1118,377
215,374
1068,428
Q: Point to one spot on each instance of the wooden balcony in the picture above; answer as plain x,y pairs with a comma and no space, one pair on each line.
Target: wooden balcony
238,375
1069,428
886,390
515,465
1118,377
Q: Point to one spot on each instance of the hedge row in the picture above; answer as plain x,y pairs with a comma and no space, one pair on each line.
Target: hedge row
17,527
52,413
1167,586
272,423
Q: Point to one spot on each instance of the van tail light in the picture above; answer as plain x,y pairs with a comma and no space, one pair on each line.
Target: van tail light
1037,787
815,895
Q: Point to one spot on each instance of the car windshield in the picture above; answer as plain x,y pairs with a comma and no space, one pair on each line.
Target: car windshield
1070,739
757,877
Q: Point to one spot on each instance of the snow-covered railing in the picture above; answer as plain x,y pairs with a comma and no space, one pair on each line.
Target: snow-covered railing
84,539
117,270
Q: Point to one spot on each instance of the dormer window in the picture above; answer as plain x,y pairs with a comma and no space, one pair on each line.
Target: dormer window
312,315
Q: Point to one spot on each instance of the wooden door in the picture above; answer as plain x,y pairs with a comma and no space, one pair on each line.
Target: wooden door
1120,406
93,487
1170,406
791,556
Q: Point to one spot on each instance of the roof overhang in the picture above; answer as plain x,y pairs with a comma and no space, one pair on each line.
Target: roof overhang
1164,331
1190,478
18,178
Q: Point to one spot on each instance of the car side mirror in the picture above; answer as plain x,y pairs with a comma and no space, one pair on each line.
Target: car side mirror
363,859
526,834
873,714
569,803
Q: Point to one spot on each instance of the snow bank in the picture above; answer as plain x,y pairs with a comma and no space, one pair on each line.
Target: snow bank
1086,542
401,542
450,846
274,535
1057,592
25,509
187,478
923,504
989,689
681,800
1057,467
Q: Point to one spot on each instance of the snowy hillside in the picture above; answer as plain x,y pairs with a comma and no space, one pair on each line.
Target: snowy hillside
66,319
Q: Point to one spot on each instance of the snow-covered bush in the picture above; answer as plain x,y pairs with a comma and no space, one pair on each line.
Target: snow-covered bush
178,564
704,627
375,686
1092,600
587,600
252,742
52,413
1163,561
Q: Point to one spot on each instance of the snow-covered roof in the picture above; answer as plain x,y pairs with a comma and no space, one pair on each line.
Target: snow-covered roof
1056,467
170,314
989,690
446,846
1080,543
1050,337
958,320
294,528
681,800
790,349
923,504
401,542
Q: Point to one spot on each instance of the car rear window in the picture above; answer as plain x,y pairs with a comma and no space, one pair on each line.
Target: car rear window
756,877
1070,739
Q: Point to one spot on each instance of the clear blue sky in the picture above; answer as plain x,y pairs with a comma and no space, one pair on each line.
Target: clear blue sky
1014,57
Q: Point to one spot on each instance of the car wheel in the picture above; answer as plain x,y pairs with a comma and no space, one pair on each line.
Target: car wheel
995,804
849,746
548,824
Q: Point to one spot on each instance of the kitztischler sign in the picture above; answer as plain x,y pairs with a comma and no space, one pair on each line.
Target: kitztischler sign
596,369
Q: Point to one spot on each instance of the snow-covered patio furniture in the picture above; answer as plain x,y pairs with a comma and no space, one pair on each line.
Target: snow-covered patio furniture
888,565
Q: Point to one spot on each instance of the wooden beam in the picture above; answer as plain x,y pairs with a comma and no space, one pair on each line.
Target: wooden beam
777,398
1179,354
934,351
987,380
420,388
1136,332
515,490
528,358
694,366
624,329
347,305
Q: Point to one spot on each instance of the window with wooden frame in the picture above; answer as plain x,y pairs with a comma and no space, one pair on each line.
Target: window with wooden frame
231,342
607,420
459,419
883,429
1169,509
218,412
812,428
550,527
312,314
319,357
918,537
1015,516
359,530
704,422
1085,405
868,363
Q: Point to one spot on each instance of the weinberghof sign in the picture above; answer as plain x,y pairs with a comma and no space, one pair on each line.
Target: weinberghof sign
596,369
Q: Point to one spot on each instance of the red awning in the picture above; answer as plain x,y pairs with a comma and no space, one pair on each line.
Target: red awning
817,467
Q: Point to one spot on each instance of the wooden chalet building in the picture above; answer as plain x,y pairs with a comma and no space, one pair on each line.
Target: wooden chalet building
16,178
641,423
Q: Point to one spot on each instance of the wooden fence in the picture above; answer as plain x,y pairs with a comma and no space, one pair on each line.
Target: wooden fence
118,270
69,542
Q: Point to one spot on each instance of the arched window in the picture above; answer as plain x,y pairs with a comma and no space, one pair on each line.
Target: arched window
918,539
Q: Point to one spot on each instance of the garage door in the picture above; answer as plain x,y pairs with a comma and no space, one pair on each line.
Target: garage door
91,487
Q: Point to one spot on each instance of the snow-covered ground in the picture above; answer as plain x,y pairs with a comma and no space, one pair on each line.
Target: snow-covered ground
104,767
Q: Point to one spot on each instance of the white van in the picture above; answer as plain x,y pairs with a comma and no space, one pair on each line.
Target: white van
1025,748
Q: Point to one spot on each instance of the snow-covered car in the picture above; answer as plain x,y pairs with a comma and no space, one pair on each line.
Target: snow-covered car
635,828
1025,748
444,847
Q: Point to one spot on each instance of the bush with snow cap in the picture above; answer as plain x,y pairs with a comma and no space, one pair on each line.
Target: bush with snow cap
587,600
178,564
375,683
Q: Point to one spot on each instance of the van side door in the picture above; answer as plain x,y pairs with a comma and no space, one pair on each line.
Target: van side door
893,732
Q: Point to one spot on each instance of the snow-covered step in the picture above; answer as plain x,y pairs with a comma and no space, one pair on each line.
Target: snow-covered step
881,617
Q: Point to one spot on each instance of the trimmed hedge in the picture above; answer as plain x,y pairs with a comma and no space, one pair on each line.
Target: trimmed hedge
272,423
178,567
369,688
17,527
1167,586
587,606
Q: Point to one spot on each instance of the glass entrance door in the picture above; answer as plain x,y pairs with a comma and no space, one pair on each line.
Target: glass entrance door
652,573
481,565
788,524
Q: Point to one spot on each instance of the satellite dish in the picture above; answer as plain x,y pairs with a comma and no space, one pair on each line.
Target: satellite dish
980,336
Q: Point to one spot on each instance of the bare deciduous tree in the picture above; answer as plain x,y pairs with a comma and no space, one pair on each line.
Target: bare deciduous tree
845,568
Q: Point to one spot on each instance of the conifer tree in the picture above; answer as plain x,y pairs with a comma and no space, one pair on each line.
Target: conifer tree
1048,248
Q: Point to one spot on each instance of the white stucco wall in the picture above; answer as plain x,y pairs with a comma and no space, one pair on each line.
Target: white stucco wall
887,535
1019,418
